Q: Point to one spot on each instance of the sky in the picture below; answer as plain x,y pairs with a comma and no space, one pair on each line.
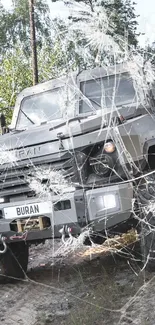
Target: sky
144,8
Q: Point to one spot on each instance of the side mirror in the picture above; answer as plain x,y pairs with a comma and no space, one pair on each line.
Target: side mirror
3,124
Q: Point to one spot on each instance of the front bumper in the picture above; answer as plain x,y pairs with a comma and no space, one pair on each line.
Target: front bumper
99,208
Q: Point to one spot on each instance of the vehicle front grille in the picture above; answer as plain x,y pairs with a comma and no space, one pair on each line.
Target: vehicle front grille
14,180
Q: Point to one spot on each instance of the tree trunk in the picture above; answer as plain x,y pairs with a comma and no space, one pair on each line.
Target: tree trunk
33,43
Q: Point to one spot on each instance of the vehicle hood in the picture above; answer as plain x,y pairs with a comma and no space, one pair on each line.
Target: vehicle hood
48,139
45,139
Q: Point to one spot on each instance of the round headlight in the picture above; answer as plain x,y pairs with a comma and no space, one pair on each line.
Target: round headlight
109,147
102,164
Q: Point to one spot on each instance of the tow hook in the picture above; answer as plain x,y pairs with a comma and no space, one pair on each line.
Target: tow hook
66,231
2,240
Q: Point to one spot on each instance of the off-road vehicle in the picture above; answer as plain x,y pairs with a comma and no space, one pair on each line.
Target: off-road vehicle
79,155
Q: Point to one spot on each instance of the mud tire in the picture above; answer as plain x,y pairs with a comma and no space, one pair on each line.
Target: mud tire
146,227
13,264
146,190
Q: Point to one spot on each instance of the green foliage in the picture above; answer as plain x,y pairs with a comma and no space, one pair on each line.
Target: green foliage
6,33
97,32
121,14
15,69
149,54
51,62
42,22
15,26
15,75
124,18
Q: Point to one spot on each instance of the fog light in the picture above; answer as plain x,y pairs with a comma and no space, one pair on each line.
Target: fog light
109,147
109,201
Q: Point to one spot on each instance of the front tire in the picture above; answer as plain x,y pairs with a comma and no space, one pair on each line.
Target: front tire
147,242
13,263
146,205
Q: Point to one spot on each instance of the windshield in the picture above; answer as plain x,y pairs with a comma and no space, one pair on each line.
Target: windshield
110,91
40,108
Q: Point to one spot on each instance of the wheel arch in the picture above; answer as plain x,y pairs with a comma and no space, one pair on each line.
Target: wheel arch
149,152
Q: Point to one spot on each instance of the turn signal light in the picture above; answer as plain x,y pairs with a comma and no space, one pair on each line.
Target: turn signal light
109,147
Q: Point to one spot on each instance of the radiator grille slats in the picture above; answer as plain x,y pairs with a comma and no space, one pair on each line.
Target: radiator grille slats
15,180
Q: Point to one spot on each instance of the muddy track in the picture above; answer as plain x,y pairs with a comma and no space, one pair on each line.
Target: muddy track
16,306
23,301
76,291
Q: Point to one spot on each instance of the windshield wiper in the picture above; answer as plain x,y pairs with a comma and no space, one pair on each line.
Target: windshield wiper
27,116
94,102
72,119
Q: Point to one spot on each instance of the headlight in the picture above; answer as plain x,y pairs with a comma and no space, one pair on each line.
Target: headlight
2,199
102,164
109,147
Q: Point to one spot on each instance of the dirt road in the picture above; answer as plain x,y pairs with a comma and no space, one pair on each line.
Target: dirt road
106,290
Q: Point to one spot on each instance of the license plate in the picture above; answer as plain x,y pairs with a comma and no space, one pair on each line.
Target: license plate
28,210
